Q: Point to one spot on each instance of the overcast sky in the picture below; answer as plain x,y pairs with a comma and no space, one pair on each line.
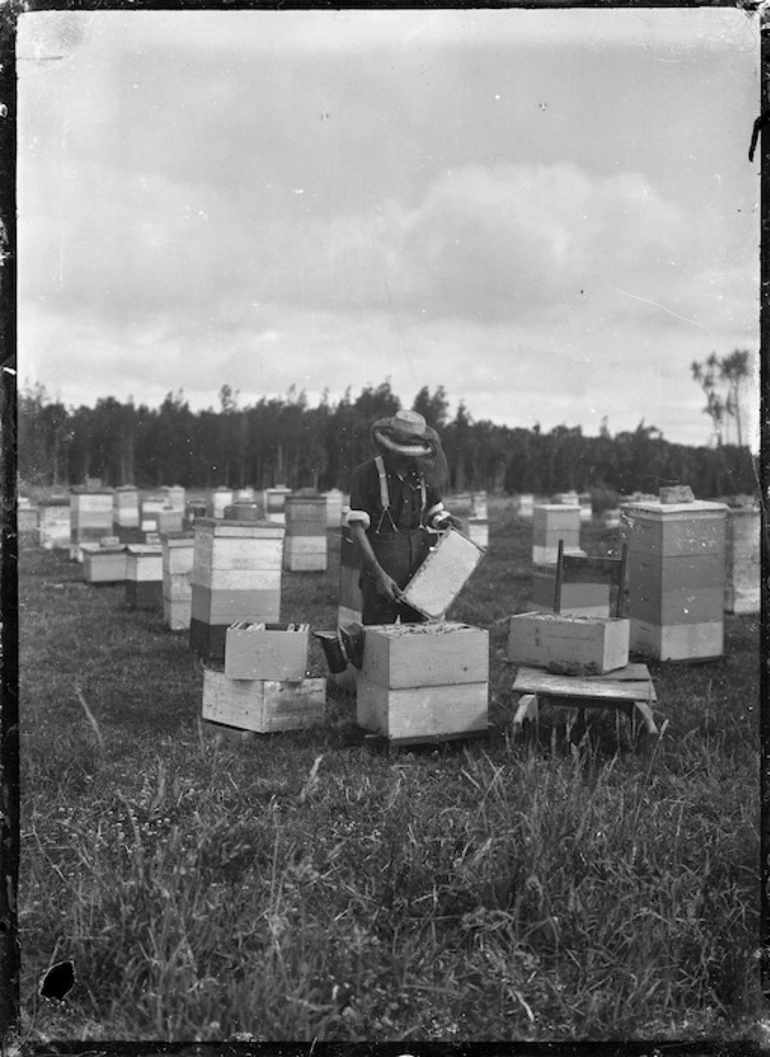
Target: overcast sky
550,213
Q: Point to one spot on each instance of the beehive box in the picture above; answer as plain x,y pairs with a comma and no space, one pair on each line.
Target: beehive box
526,505
236,575
275,499
27,520
144,576
460,504
424,681
150,507
586,600
552,522
443,574
676,578
170,520
90,515
125,510
276,652
264,706
350,601
567,498
220,498
480,507
305,553
176,496
177,552
569,644
305,547
478,531
743,562
611,518
105,563
55,523
586,507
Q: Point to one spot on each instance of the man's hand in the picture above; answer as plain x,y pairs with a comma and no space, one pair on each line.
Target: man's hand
386,585
450,519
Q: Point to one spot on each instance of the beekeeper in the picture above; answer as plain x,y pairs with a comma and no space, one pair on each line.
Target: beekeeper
396,511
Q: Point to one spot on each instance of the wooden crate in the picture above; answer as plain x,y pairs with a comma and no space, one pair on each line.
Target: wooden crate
105,564
743,562
264,706
671,530
433,654
267,651
443,574
585,645
422,713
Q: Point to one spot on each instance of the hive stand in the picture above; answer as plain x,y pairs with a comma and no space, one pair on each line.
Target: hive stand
629,689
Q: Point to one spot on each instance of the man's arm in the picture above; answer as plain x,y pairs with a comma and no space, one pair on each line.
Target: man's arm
386,585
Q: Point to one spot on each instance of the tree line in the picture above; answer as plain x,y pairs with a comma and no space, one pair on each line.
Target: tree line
282,440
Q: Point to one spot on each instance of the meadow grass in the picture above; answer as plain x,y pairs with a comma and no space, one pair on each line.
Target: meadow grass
300,886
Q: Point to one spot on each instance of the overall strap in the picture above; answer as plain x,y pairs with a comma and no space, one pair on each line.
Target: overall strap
384,494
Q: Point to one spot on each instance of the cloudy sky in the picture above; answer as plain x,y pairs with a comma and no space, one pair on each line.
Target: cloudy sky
551,213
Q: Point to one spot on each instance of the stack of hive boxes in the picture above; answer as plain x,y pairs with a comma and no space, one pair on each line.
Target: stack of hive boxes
236,575
526,506
125,512
424,681
264,686
220,499
90,517
552,522
55,523
676,578
742,566
305,546
144,576
275,500
105,562
177,562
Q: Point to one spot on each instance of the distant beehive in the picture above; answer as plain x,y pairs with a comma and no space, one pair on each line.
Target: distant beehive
552,522
586,506
480,508
334,499
245,495
236,575
611,518
567,498
424,681
144,576
460,504
478,531
176,496
55,523
90,516
220,498
275,500
170,519
105,563
350,602
742,566
177,562
526,505
126,507
151,506
305,544
676,578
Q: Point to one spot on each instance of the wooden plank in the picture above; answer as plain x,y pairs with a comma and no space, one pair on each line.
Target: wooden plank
609,687
421,712
417,655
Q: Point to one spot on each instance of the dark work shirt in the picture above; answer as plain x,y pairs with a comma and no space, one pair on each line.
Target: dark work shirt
405,497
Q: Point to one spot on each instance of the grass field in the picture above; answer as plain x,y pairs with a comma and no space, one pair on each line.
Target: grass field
300,886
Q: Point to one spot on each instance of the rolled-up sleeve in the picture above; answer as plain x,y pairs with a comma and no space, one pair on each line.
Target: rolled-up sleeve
360,511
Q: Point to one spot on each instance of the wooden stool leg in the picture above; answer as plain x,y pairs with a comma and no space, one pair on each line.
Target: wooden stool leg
527,709
643,709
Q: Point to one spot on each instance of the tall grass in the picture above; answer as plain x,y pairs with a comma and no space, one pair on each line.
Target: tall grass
301,886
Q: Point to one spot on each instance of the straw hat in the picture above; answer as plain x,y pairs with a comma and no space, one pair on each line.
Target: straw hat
406,433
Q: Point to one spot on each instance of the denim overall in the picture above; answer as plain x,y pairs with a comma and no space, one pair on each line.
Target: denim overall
400,552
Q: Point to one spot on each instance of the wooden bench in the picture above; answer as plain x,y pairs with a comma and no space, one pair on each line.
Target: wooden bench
629,689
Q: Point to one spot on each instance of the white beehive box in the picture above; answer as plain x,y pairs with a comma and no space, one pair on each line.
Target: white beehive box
334,504
478,531
443,574
569,644
422,681
105,563
552,522
526,505
743,562
276,652
178,549
55,523
220,498
261,705
125,511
